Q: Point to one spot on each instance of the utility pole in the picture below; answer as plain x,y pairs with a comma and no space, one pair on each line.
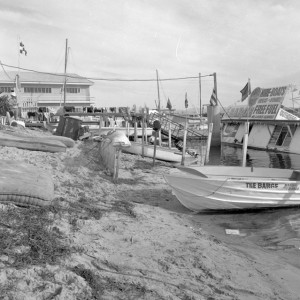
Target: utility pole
65,82
158,91
200,96
215,85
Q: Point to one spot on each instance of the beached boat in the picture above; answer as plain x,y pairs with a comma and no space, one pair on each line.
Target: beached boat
33,143
162,153
222,187
110,150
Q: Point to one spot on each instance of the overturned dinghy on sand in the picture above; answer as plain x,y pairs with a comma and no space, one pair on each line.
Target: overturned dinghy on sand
110,149
222,187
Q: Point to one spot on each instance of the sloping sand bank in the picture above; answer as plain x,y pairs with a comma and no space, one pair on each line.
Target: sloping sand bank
130,240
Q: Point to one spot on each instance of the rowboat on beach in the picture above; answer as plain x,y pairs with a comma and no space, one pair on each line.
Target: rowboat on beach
221,187
162,153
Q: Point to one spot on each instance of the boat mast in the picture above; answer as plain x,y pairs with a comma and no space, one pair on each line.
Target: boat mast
158,91
66,61
200,96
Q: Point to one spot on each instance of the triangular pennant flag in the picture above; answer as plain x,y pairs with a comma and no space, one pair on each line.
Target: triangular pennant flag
186,103
169,105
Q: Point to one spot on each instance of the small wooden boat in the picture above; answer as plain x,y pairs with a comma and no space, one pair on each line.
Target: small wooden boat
65,140
32,143
162,153
222,187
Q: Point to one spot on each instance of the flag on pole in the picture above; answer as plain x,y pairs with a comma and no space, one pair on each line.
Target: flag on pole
22,49
246,91
169,105
186,103
213,98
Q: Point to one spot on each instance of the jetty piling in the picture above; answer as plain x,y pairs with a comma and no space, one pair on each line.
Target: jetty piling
245,143
210,131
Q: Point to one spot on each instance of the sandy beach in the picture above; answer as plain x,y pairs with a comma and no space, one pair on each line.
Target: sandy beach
126,240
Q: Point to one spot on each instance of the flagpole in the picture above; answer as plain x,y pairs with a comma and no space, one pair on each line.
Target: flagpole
246,133
17,78
66,61
18,43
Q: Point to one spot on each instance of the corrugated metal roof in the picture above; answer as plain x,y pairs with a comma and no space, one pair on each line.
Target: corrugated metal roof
33,77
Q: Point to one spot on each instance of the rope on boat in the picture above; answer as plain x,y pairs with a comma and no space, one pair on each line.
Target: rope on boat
212,193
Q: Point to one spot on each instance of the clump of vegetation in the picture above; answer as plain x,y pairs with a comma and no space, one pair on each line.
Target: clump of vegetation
7,102
102,286
92,280
28,237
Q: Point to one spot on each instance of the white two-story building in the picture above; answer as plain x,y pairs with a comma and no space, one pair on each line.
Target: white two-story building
40,90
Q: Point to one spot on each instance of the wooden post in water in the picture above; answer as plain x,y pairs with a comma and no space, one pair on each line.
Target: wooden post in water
154,150
116,164
245,143
135,128
135,124
128,132
159,137
143,133
170,136
146,124
100,125
210,130
184,141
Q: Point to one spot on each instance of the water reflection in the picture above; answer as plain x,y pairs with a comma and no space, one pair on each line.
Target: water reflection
233,156
272,229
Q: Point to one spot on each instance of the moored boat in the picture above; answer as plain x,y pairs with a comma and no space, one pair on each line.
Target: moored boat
273,124
222,187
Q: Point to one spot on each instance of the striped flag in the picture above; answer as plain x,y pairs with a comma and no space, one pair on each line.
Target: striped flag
213,99
186,103
22,49
246,91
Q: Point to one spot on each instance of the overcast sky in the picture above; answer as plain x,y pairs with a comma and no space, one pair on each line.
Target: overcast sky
131,39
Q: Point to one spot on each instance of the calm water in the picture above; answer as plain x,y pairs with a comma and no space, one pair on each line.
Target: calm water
233,156
275,230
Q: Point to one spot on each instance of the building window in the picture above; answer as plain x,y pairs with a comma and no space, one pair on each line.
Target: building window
6,89
73,90
39,90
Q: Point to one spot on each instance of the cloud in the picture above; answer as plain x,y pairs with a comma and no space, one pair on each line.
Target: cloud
132,39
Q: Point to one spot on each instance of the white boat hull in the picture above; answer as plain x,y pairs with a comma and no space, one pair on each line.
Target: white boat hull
262,188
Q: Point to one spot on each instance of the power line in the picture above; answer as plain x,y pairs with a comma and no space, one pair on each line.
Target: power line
104,79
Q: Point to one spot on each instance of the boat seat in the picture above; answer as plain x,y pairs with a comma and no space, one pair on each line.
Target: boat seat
295,175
